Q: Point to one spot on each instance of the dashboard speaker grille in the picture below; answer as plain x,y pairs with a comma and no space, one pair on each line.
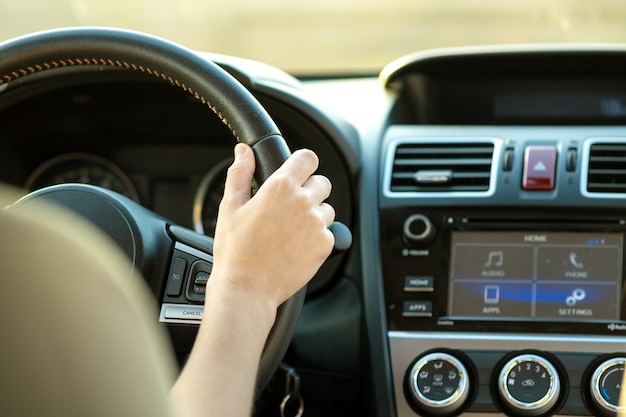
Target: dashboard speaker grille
449,167
607,168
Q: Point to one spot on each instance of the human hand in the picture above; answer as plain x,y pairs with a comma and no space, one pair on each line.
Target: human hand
272,244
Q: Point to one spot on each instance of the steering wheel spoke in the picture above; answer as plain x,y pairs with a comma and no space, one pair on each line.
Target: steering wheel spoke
189,273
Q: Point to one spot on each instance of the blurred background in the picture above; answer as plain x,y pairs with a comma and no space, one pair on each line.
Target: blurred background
317,37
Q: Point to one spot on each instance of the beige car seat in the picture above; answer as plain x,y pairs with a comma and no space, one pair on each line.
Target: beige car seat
78,330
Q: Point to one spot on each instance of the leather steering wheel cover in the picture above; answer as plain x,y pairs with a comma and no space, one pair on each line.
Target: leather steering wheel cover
205,80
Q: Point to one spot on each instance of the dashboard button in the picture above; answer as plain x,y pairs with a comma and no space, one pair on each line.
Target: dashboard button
419,284
571,160
508,159
539,168
417,309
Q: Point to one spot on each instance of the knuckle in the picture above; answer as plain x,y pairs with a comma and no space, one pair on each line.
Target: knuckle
279,182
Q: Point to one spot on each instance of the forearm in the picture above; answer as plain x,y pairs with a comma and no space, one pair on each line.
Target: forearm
219,377
266,248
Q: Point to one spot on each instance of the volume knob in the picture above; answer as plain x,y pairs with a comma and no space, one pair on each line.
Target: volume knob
418,228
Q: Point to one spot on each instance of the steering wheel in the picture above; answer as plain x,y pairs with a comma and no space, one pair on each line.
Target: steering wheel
146,238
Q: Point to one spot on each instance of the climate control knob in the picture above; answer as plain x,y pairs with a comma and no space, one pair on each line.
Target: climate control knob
418,228
606,382
438,384
529,385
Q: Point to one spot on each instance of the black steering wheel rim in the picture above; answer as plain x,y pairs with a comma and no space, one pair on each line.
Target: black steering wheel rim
235,106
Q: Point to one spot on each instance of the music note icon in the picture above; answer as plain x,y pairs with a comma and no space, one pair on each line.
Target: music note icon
496,258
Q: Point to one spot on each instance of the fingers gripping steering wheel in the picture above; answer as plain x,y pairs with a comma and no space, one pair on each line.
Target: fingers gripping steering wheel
145,237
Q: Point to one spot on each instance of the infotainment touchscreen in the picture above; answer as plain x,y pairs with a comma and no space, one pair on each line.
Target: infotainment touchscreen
551,276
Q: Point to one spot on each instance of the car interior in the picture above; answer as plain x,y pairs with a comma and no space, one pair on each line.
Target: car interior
479,190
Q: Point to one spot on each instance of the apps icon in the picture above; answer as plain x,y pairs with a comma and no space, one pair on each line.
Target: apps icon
492,294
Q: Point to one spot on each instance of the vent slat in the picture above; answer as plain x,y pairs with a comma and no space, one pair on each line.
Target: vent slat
609,159
446,150
468,163
607,168
609,186
442,162
611,148
422,189
456,175
602,171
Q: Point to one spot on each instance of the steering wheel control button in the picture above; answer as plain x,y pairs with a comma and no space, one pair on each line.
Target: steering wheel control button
438,383
539,168
419,284
183,312
529,385
606,383
417,309
176,277
200,281
196,287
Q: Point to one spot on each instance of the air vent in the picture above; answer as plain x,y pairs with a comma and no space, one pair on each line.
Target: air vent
607,168
445,167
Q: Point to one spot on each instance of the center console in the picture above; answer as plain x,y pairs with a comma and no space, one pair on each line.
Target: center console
503,269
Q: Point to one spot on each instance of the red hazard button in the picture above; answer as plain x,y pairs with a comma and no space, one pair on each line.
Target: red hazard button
539,168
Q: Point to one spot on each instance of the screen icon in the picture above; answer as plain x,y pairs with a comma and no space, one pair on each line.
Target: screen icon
492,294
496,258
573,259
577,295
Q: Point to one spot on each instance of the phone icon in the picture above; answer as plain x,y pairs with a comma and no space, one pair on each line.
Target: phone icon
574,261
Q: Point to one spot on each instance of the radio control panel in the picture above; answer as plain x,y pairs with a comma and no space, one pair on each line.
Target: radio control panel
469,272
520,315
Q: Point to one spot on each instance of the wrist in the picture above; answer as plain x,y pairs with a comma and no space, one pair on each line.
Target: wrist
224,297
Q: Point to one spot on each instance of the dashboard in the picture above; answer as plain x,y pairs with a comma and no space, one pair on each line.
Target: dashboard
170,156
485,188
501,232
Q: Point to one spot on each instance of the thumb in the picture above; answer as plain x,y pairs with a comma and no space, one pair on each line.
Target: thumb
239,177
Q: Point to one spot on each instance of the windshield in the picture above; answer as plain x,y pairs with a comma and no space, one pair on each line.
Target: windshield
323,37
